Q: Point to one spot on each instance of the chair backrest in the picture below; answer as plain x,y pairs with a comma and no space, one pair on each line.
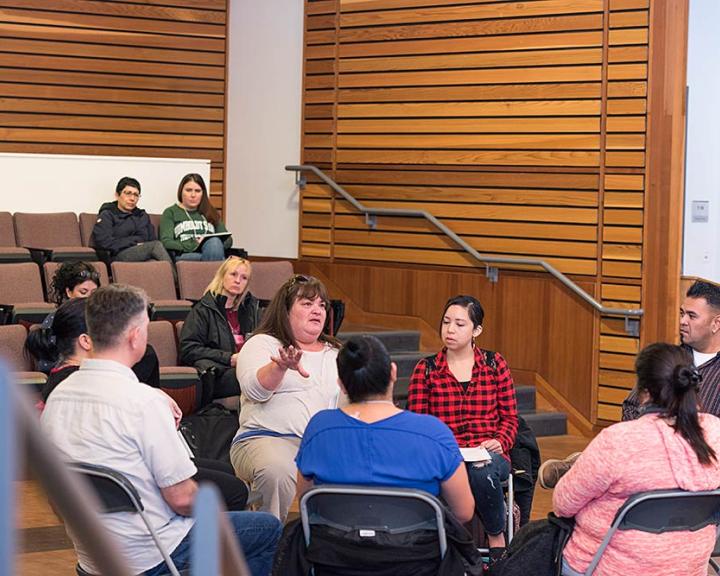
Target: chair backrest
155,219
117,494
49,269
47,230
20,283
156,278
12,341
267,277
161,336
87,223
7,230
372,512
660,511
194,277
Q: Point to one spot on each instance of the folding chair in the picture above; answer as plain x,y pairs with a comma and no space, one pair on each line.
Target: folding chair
374,518
117,494
12,342
21,293
659,511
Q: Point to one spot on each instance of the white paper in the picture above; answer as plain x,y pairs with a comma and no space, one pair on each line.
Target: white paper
476,454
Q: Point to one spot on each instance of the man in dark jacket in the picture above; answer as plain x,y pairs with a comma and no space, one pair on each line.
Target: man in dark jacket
125,230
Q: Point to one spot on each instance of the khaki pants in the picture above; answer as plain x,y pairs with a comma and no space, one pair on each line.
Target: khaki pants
268,463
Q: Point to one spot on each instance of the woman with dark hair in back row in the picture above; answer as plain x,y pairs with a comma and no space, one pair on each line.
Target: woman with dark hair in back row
184,226
76,279
670,446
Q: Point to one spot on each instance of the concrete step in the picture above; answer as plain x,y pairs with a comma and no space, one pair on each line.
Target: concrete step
394,340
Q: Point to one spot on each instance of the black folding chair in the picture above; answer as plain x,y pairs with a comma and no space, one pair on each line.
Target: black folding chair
373,518
117,494
659,511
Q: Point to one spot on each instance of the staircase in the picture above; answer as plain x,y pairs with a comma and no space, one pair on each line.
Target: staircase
404,348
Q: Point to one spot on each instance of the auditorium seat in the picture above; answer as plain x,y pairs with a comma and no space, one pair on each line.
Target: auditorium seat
194,277
9,250
180,382
87,223
267,277
49,269
12,341
21,292
51,236
157,279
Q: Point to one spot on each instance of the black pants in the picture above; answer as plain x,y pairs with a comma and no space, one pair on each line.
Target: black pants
233,490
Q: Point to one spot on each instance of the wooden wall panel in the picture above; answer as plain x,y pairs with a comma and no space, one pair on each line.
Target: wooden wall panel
115,78
523,126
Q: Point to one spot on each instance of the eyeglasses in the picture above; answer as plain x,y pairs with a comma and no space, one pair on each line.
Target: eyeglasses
130,193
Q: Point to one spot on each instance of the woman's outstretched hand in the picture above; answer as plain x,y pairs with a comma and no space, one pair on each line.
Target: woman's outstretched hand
288,358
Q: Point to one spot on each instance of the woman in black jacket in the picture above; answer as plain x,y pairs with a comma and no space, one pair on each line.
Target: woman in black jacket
217,327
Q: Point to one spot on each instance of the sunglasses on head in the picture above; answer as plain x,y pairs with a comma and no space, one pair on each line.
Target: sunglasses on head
89,275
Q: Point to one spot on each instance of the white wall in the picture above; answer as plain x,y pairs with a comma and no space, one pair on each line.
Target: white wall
263,103
701,256
71,183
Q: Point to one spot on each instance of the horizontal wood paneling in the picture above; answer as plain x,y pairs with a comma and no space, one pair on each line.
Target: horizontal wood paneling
118,78
522,126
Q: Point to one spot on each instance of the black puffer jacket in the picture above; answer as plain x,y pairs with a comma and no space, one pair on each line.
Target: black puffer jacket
116,230
206,339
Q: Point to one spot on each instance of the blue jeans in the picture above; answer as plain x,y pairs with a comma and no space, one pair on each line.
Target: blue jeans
257,533
485,484
212,249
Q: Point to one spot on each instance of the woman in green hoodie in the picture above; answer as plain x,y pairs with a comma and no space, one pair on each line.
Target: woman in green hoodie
184,225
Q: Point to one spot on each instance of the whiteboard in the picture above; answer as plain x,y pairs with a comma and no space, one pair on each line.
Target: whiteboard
72,183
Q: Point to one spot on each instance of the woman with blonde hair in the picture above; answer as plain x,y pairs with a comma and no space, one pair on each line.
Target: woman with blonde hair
217,327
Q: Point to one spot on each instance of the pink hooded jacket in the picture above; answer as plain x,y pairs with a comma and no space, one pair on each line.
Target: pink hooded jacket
626,458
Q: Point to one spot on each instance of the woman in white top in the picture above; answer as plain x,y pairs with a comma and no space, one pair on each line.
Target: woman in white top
287,373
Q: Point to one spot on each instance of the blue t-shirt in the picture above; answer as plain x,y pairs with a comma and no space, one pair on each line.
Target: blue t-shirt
405,450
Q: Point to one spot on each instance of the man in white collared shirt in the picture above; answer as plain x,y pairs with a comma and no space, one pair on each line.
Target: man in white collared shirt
102,414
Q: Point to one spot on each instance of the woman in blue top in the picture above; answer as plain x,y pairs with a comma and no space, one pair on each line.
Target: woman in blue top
372,442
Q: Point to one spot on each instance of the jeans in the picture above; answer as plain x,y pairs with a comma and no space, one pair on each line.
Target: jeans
567,570
485,484
257,533
212,249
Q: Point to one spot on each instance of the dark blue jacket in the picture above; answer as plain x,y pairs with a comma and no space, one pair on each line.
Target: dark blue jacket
116,230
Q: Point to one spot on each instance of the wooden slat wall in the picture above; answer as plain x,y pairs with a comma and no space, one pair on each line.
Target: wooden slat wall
521,125
115,78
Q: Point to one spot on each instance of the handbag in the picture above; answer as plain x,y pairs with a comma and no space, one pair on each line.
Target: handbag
210,432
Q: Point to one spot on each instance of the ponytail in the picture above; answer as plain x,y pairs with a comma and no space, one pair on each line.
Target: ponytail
669,376
683,407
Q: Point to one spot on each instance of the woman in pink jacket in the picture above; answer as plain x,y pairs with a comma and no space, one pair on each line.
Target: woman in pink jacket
670,446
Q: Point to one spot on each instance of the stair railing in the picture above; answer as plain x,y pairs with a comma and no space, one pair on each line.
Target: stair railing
631,315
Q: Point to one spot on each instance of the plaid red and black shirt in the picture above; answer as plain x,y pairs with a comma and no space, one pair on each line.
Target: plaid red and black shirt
487,409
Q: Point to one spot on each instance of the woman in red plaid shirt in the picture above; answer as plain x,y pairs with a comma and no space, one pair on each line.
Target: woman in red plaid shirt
471,390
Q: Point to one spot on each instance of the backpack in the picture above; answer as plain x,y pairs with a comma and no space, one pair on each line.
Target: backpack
210,432
539,544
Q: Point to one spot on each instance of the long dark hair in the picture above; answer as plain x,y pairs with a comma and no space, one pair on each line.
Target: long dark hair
205,208
364,367
275,321
69,275
667,373
57,343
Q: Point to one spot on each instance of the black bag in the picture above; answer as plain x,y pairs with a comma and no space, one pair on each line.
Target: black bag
210,432
537,548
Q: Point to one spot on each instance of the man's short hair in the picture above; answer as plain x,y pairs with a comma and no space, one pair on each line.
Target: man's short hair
711,293
111,310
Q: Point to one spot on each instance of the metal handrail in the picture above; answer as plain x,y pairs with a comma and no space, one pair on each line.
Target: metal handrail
485,259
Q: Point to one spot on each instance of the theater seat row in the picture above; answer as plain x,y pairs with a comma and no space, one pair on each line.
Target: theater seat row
22,297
